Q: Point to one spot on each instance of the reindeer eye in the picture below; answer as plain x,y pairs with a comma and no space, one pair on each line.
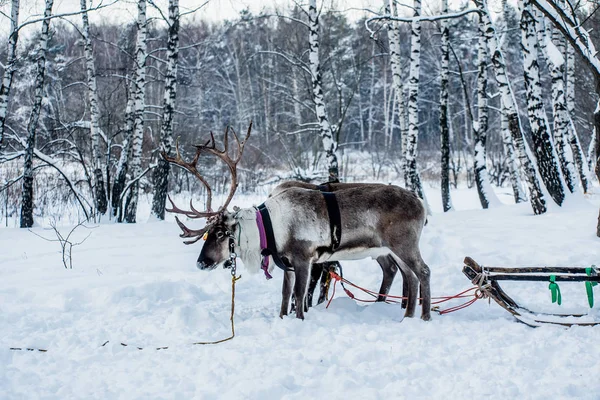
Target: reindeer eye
220,235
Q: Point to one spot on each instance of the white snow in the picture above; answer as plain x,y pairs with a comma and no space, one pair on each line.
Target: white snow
138,284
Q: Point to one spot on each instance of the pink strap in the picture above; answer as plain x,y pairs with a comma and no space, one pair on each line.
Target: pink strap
263,244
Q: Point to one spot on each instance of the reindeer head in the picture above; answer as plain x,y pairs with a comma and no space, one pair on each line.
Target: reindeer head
219,238
221,224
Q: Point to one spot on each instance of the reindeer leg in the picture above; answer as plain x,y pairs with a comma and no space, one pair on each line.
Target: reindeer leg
325,282
412,285
286,292
421,270
389,269
424,274
302,272
315,274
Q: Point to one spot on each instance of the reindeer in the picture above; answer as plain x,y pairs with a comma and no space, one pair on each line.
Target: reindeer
321,271
377,220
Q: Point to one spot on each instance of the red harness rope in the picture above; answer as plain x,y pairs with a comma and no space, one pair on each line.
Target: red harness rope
476,295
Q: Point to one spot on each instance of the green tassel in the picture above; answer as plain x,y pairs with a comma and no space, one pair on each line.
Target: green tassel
555,290
589,287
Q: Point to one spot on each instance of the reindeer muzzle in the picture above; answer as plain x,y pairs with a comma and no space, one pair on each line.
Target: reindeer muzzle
204,266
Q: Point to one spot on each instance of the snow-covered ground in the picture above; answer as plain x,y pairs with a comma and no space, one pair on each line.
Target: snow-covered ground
138,284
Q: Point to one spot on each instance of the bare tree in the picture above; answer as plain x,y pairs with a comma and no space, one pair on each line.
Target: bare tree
543,147
10,65
32,125
394,51
414,180
487,196
99,189
125,156
444,125
536,197
66,243
579,157
507,143
161,172
566,21
141,54
327,136
552,46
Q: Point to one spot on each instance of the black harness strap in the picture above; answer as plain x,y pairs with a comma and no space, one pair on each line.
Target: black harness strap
324,187
335,219
335,225
271,249
333,209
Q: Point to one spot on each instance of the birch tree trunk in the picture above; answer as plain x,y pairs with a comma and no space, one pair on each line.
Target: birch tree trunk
567,22
553,52
123,163
32,125
371,108
444,126
101,201
10,65
414,180
394,39
581,163
401,99
138,132
327,138
543,147
507,143
386,100
592,150
297,97
161,173
536,197
487,196
511,160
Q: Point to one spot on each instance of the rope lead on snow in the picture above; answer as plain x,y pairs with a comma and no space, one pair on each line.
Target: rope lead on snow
28,349
589,286
555,290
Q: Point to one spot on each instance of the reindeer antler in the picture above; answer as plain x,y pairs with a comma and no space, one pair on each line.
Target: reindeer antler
191,167
195,234
208,147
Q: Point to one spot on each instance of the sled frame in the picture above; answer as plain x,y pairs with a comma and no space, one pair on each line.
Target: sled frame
486,278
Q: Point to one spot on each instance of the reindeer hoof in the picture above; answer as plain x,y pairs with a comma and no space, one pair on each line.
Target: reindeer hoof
426,317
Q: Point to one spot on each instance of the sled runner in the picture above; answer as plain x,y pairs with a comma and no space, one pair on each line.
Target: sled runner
486,278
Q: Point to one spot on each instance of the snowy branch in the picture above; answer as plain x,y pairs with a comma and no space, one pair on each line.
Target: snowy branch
573,32
421,18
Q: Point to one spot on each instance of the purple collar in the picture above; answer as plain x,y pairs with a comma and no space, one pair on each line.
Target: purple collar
264,265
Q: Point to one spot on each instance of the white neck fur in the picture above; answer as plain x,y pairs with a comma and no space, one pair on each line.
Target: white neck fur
248,240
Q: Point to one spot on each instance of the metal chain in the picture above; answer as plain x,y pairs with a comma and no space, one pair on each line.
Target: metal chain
232,255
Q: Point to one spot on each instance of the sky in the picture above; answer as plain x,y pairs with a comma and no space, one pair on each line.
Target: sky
214,10
124,11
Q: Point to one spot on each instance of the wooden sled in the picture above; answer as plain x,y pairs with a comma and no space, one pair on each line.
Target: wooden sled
486,278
